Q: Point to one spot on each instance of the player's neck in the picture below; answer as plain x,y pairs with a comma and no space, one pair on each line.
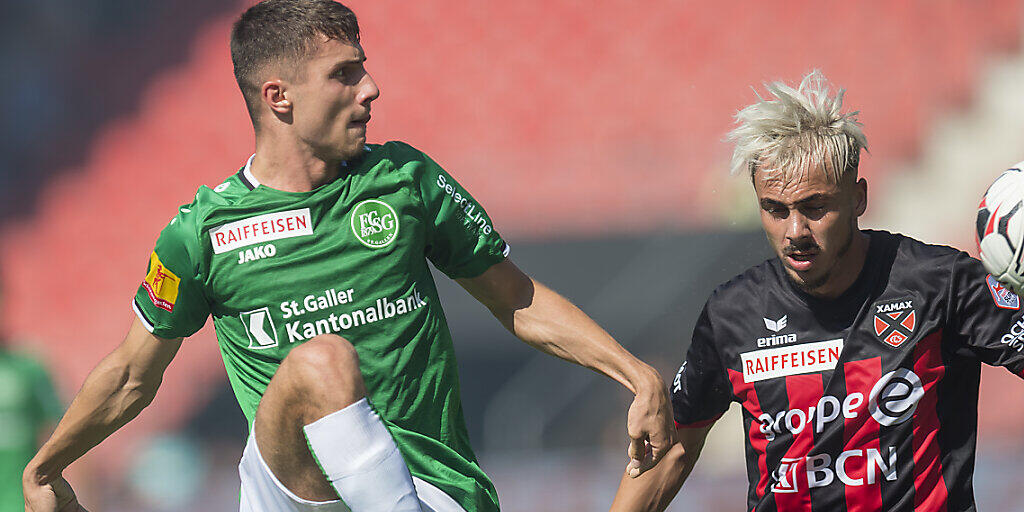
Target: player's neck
847,269
289,166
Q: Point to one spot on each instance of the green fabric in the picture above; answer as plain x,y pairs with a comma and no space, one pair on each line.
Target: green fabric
28,403
348,268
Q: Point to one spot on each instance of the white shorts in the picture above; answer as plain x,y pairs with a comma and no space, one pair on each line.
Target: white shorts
263,492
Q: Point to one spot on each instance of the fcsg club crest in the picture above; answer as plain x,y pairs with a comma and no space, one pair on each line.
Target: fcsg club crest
894,321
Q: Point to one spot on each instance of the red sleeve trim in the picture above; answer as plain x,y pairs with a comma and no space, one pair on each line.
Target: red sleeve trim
698,424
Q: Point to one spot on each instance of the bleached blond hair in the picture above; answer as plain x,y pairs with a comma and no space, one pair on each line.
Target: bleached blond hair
794,130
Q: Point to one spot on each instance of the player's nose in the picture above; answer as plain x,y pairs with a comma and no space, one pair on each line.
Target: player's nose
368,90
797,226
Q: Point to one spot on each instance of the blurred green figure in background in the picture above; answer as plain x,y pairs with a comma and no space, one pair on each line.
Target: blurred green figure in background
29,408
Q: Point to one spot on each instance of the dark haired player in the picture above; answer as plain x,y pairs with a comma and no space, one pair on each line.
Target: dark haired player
312,261
855,354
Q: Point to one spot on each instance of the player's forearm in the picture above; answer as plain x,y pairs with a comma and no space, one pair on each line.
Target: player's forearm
654,490
554,325
111,396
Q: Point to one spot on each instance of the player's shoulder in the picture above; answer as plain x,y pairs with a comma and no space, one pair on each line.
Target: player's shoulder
745,287
395,150
186,223
402,157
914,256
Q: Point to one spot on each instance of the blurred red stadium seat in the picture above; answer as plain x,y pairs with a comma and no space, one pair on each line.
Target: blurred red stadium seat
563,118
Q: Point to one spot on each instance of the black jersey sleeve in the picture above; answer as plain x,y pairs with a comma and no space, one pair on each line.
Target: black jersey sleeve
986,316
700,390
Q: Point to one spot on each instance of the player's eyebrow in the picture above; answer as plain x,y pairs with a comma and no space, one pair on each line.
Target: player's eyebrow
767,201
346,62
814,197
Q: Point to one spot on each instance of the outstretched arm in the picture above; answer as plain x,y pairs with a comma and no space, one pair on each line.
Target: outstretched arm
116,390
549,322
654,490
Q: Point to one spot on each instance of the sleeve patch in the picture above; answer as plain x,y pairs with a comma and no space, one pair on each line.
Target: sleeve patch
161,284
1003,296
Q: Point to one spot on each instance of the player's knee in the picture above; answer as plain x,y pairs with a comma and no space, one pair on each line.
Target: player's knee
325,360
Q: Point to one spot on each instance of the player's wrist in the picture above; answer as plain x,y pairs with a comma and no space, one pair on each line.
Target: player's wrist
647,381
38,472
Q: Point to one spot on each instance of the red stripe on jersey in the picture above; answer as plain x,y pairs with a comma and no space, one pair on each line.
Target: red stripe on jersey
748,399
792,492
929,487
860,431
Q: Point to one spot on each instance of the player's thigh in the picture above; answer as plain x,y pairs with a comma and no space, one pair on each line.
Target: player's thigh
317,378
262,491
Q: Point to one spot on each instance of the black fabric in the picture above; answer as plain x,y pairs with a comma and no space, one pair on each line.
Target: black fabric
841,397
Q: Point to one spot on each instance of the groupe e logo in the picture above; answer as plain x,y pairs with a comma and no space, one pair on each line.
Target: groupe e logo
894,398
891,401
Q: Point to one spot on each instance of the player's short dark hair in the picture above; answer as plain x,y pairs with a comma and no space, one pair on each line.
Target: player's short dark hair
284,31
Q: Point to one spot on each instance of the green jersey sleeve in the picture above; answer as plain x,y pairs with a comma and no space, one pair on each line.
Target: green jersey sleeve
461,240
170,301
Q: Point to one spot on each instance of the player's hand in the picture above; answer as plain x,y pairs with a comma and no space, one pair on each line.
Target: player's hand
650,428
56,496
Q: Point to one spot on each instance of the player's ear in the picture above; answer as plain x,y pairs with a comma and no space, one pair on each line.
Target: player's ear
861,197
272,93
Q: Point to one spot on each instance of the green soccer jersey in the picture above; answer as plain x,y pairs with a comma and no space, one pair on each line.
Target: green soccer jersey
276,268
28,403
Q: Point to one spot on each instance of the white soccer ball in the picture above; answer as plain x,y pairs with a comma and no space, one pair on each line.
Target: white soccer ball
1000,226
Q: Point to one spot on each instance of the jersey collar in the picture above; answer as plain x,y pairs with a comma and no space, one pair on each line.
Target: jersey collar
250,181
246,175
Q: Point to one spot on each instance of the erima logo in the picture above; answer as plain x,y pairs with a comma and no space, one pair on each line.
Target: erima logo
776,325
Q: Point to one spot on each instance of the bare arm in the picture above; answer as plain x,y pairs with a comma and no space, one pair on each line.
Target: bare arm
545,320
116,390
654,490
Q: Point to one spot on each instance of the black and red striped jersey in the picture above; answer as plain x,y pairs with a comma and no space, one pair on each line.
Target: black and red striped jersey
867,402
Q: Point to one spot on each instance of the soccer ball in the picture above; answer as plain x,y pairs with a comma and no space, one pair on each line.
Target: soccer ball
1000,234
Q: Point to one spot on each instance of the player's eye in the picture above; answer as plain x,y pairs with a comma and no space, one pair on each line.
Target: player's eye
350,75
814,210
776,210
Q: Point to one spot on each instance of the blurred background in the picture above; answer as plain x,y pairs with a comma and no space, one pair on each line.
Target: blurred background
591,131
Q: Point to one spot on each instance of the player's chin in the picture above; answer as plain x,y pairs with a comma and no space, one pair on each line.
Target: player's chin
352,147
806,277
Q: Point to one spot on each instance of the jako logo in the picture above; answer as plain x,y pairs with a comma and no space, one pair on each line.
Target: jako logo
776,325
257,253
